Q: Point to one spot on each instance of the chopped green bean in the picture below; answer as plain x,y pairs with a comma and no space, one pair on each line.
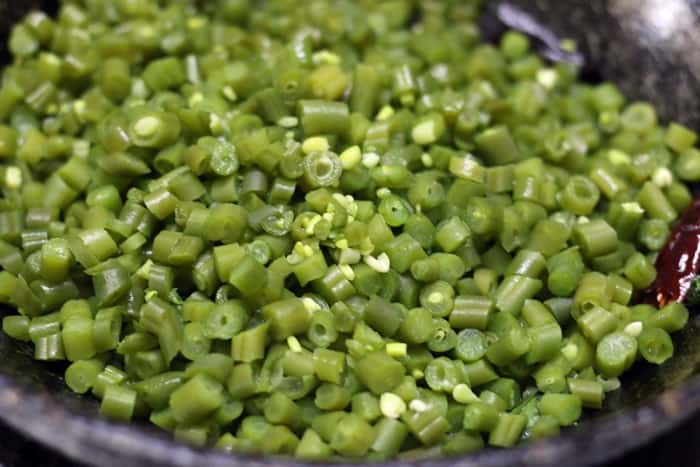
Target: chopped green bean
350,232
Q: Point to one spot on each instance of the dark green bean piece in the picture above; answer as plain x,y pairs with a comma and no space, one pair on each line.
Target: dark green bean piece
566,408
497,146
379,372
323,117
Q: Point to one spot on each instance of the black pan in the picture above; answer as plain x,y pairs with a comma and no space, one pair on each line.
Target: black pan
650,49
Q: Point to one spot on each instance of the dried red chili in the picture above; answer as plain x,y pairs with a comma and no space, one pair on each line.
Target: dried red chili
679,261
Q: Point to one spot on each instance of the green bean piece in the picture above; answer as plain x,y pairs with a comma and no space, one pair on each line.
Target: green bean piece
332,397
655,345
311,268
438,298
497,146
323,117
144,364
513,291
442,374
508,348
8,141
194,342
321,169
254,428
595,238
78,344
106,329
49,347
160,318
452,234
687,166
642,312
402,251
622,289
379,372
548,237
462,443
353,437
366,405
153,129
580,195
671,318
581,351
325,424
389,436
280,410
285,442
565,270
596,323
639,271
566,408
471,345
287,317
225,320
80,376
196,399
426,192
111,375
137,342
156,390
594,290
443,337
366,88
589,392
428,129
56,260
249,345
322,330
480,417
17,327
416,327
655,203
215,365
471,312
111,284
507,430
298,363
615,353
545,342
394,210
118,403
527,263
680,138
427,426
334,286
371,244
480,372
536,313
241,383
195,435
678,194
544,427
383,316
607,182
312,447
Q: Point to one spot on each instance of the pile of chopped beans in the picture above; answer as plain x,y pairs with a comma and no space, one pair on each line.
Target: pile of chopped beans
328,229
